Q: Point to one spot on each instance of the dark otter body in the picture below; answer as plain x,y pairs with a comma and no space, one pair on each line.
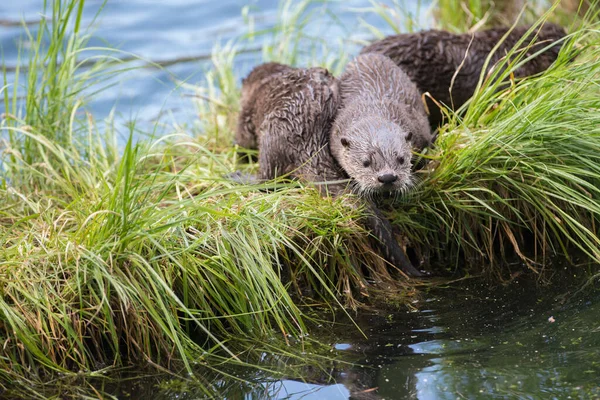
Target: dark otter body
249,118
381,119
431,59
288,113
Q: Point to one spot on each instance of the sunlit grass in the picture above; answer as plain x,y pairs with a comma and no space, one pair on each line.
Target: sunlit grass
146,253
523,163
469,15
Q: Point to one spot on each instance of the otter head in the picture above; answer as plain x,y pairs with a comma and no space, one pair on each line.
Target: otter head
376,153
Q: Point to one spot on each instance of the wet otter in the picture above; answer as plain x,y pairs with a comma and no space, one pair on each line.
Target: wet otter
381,119
250,115
287,113
431,59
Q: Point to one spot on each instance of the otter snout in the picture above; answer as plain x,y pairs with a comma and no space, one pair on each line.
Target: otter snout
387,178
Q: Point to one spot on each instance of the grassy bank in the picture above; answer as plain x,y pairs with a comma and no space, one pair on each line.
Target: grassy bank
145,253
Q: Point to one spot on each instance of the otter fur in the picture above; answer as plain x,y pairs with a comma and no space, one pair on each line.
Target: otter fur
381,119
287,113
249,118
432,58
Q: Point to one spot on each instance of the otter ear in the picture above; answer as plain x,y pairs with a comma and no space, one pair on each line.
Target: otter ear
345,142
409,136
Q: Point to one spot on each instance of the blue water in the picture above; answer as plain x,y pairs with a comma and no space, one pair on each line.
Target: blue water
474,341
171,31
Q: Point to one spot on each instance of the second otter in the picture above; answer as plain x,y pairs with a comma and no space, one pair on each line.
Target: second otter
432,59
287,113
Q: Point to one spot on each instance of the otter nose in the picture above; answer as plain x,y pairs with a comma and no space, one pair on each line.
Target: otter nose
387,178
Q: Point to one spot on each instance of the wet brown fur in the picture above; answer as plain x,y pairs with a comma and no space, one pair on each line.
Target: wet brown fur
287,114
431,58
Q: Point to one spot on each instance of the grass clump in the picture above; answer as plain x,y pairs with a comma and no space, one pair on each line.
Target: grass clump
147,254
520,168
112,256
472,15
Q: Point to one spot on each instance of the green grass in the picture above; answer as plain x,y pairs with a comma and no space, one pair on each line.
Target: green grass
462,15
522,162
146,254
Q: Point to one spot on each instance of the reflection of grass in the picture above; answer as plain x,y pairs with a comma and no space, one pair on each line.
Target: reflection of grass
149,254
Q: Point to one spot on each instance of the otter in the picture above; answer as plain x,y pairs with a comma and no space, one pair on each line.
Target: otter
382,117
250,111
432,58
287,113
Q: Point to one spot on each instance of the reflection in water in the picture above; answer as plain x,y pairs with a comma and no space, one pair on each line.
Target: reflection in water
482,344
289,389
467,343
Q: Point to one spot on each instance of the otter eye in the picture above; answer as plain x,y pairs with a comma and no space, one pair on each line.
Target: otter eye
400,160
345,142
366,163
409,136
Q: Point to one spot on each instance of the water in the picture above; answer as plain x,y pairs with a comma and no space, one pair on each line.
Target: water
522,341
182,34
477,342
482,343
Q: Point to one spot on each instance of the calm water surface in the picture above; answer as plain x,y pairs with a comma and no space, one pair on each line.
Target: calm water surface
472,342
179,32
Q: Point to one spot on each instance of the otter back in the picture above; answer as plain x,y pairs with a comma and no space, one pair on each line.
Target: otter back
431,59
254,101
287,113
